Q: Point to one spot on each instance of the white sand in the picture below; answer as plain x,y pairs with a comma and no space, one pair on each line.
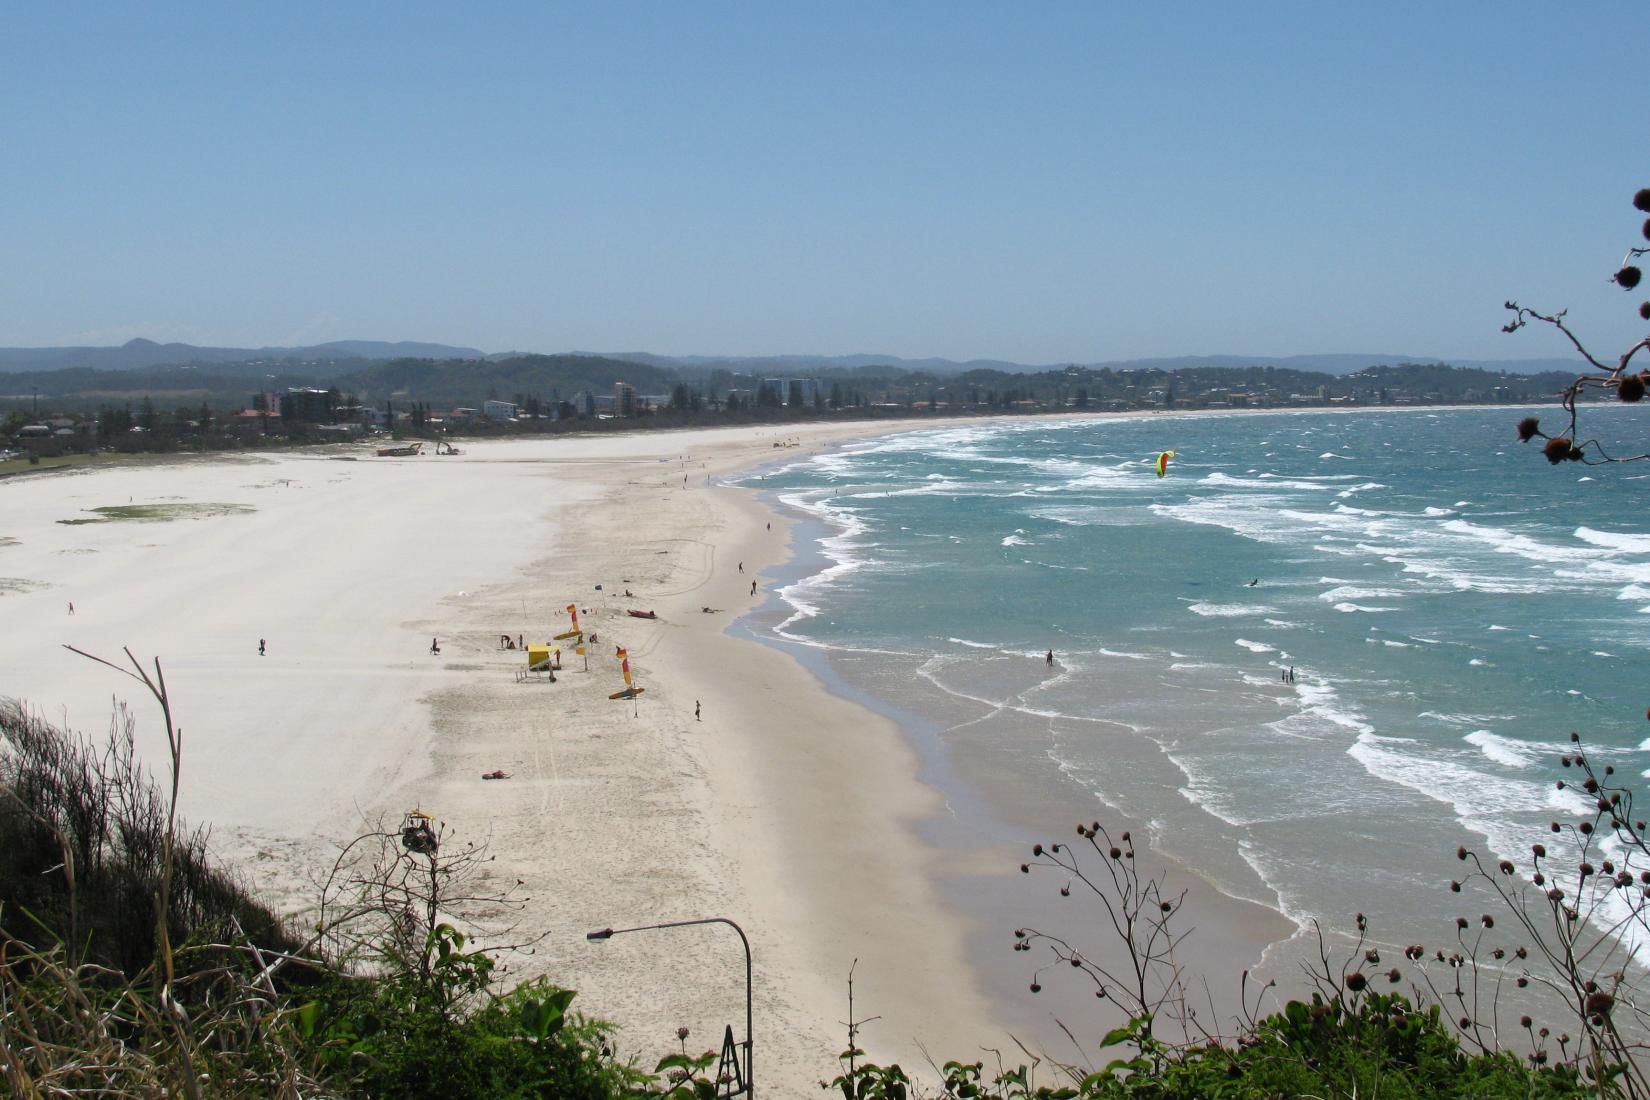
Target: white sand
785,809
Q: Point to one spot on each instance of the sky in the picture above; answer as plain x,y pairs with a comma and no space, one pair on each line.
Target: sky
1043,183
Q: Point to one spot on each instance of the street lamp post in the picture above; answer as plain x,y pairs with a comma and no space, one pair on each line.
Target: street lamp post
750,1034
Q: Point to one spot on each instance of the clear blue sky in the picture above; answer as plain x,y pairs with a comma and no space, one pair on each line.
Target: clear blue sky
1036,182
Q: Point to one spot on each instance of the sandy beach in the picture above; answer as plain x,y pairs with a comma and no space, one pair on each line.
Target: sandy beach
736,786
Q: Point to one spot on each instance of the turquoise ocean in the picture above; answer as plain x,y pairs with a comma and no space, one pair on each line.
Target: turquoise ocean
1451,605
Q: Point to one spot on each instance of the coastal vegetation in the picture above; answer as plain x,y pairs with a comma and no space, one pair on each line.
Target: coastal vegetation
156,513
130,964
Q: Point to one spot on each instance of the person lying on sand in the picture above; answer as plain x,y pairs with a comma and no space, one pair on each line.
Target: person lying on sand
711,610
496,775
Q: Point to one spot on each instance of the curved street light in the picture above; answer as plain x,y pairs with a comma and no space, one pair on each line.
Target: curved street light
750,1035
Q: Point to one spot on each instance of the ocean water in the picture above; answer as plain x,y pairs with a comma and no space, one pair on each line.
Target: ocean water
1452,608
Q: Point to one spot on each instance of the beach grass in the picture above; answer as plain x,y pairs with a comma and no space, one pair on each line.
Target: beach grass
157,513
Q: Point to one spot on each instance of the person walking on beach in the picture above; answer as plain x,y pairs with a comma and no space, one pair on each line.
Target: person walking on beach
260,647
753,588
435,646
71,607
696,710
741,567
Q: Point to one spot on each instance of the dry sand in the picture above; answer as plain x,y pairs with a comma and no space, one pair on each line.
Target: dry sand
785,808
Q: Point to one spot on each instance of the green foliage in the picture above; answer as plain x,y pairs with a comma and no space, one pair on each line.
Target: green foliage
157,513
1378,1046
441,1034
868,1081
684,1077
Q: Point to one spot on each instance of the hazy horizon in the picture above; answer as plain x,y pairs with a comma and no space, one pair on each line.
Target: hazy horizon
1071,183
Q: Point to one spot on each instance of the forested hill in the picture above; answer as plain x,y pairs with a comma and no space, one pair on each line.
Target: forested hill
467,381
432,381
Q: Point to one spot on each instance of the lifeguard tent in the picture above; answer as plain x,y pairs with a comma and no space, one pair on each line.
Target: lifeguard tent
541,660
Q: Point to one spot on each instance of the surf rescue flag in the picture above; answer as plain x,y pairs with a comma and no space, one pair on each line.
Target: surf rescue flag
598,588
624,663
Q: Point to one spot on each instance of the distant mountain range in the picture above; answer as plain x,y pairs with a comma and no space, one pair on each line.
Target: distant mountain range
1346,363
140,353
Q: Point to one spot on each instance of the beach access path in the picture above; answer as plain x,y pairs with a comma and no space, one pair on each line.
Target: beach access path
783,807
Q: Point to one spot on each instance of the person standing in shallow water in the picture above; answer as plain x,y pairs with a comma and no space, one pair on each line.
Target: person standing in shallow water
1050,658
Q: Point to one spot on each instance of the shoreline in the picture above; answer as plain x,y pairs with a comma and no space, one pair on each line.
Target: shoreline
784,809
992,818
803,812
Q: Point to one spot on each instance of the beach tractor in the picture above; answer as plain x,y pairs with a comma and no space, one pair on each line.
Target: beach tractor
417,833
